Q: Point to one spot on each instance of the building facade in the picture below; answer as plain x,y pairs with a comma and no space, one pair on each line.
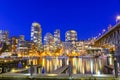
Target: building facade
14,43
36,34
3,36
57,39
48,42
71,35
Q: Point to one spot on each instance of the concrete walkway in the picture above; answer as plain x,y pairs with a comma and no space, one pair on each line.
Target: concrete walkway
57,76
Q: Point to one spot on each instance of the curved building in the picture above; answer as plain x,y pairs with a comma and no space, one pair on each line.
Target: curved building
48,42
48,39
36,34
71,35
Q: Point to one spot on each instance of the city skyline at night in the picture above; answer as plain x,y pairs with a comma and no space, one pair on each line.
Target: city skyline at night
87,18
59,39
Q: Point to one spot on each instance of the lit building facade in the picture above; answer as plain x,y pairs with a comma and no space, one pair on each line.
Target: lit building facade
21,41
71,35
48,42
3,36
22,48
36,34
70,42
57,39
14,43
75,48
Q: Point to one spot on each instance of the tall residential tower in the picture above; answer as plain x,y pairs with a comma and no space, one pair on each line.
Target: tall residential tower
71,35
57,39
3,36
36,34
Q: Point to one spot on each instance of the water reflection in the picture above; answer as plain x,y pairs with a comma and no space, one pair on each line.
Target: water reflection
86,65
80,65
51,63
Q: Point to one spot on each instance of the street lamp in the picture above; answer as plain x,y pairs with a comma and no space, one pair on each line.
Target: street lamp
118,19
103,31
99,34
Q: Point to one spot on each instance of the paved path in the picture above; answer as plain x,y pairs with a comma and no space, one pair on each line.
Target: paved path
23,76
57,76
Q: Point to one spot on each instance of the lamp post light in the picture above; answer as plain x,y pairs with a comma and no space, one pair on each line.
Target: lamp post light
118,19
103,31
99,34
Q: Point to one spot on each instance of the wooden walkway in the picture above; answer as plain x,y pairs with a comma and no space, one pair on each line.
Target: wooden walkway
60,70
111,67
20,76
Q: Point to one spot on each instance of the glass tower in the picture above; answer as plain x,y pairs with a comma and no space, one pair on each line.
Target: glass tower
36,34
3,36
71,35
57,37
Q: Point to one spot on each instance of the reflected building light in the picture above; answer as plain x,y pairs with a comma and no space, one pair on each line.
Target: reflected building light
43,62
51,69
91,65
98,73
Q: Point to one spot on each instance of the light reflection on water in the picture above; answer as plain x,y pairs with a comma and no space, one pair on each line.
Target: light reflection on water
79,65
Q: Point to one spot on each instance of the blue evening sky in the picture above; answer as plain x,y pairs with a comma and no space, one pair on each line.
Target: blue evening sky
87,17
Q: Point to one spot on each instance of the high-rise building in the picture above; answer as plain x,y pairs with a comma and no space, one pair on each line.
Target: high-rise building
21,37
57,37
22,48
71,35
21,41
13,43
36,34
48,39
3,36
48,42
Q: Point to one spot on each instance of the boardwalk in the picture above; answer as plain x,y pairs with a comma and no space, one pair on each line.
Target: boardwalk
111,67
60,70
19,76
